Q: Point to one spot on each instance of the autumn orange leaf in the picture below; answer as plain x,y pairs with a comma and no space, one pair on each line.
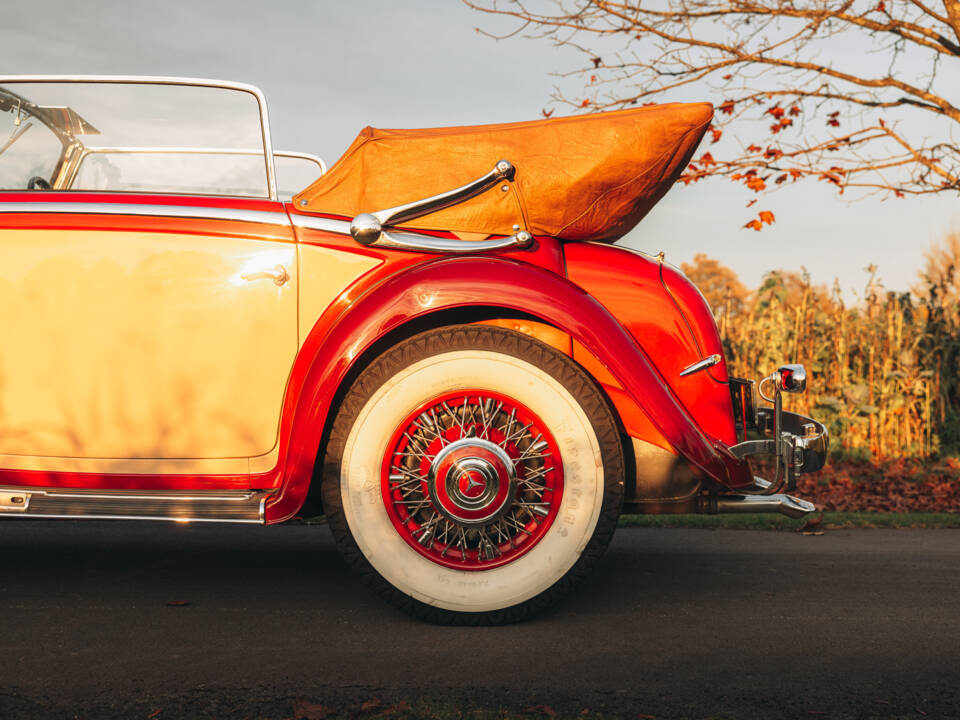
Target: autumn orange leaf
764,217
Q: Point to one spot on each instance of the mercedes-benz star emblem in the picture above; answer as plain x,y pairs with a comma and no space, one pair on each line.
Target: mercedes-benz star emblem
469,482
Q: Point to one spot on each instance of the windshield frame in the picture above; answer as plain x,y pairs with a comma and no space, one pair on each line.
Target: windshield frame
157,80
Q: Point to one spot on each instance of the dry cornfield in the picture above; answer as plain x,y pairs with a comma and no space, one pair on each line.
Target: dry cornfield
882,373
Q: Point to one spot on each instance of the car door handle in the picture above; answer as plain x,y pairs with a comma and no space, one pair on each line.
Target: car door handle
279,275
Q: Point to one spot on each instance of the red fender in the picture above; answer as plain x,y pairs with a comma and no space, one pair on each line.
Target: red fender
449,283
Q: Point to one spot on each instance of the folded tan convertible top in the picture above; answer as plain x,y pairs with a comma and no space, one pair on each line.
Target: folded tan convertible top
586,177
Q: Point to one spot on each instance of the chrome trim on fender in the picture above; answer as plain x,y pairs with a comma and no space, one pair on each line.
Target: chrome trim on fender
707,362
194,212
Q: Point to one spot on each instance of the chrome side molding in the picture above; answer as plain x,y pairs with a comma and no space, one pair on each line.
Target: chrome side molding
14,501
193,212
707,362
374,229
235,506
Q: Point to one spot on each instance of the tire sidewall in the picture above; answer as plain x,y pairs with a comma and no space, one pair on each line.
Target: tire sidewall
535,375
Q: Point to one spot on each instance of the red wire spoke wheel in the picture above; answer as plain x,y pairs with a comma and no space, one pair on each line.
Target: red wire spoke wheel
472,475
473,479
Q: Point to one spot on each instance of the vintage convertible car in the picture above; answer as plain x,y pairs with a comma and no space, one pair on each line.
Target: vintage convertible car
435,343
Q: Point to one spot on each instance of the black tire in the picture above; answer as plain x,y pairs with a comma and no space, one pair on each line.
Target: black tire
512,365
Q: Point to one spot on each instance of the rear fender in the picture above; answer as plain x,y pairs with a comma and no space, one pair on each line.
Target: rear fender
438,286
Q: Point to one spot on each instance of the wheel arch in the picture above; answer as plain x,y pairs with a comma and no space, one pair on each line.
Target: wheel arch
474,289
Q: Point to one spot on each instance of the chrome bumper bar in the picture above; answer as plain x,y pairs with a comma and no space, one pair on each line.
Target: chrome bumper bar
801,442
796,443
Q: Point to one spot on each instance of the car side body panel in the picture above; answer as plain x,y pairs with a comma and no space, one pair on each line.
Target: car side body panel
351,297
375,308
668,317
142,347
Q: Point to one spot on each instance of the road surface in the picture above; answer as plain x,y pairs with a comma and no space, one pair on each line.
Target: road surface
116,619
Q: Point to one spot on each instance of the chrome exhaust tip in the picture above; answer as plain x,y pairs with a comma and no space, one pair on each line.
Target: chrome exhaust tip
784,504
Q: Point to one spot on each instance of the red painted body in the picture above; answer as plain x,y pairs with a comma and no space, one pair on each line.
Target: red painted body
438,284
668,317
613,303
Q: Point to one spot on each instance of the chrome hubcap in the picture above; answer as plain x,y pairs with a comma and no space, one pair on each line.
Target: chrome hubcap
472,481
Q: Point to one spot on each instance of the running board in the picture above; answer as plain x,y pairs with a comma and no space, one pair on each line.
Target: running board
235,506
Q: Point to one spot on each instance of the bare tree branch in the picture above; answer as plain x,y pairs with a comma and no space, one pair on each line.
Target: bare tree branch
775,66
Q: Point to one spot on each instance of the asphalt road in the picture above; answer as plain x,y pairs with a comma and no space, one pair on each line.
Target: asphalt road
674,624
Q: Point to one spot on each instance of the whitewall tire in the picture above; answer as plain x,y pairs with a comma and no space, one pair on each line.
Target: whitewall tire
473,474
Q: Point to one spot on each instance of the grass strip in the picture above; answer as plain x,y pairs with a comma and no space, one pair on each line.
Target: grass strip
769,521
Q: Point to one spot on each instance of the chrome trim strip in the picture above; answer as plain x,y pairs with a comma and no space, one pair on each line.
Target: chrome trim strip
707,362
159,80
312,222
40,516
429,243
399,240
90,504
265,217
94,495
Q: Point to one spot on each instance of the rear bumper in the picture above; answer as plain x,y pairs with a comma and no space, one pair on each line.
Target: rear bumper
802,443
796,444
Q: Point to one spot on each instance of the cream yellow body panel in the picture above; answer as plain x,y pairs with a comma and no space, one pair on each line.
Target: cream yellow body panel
143,351
325,274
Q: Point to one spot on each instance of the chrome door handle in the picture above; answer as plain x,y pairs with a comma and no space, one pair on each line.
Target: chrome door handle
279,275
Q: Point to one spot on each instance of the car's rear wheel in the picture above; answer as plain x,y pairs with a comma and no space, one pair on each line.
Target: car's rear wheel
473,475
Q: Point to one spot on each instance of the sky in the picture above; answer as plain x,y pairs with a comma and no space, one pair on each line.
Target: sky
328,68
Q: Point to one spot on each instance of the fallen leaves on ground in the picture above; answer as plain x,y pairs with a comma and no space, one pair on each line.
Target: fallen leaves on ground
371,704
540,710
892,486
304,710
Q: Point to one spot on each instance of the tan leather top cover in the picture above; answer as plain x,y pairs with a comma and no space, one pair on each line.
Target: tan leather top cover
586,177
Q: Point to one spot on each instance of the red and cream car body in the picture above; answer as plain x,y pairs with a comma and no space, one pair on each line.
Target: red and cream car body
470,410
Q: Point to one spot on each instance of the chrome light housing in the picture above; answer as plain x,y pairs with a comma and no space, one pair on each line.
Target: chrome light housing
791,378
